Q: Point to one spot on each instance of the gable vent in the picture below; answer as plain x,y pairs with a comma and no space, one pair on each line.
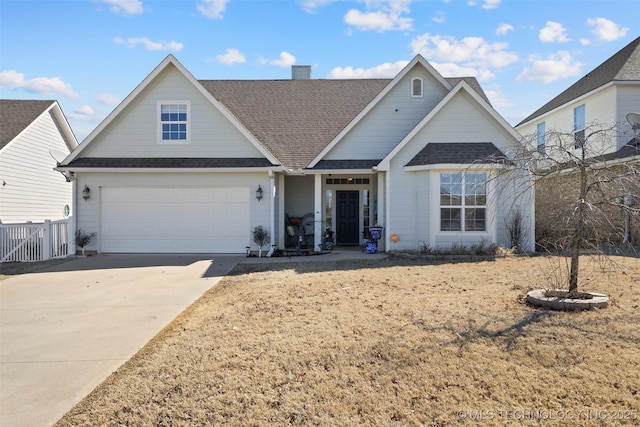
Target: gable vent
301,72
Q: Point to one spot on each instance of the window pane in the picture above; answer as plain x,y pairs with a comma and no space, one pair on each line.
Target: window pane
475,219
450,219
475,189
578,118
451,189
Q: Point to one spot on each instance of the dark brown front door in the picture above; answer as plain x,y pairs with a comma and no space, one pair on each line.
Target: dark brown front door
347,218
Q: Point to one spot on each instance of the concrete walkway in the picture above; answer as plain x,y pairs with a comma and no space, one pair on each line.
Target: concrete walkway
64,329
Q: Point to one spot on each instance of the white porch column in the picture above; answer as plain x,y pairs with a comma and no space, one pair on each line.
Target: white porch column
272,207
281,235
383,212
317,209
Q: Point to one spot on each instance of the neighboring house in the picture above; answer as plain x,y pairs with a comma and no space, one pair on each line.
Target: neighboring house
33,134
603,97
185,165
601,100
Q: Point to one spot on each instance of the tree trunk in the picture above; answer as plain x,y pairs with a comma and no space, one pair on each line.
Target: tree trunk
575,263
578,236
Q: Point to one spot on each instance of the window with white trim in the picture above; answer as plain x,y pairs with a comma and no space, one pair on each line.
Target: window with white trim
416,87
579,126
463,201
173,122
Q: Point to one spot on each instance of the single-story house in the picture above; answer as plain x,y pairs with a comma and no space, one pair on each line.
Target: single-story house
192,166
34,137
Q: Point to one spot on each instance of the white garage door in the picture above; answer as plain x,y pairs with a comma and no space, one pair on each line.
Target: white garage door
174,220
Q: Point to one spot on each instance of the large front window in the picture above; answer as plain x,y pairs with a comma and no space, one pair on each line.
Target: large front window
463,201
174,122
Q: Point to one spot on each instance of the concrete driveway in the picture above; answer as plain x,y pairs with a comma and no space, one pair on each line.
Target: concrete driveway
64,329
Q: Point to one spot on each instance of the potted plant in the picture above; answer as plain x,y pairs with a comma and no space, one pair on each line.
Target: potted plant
260,237
83,239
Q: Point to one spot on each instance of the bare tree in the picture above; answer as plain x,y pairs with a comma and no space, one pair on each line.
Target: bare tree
581,192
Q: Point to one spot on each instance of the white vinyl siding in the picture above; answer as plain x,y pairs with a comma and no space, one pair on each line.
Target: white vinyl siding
30,190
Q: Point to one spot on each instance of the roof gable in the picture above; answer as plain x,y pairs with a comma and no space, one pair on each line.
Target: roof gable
474,97
418,59
623,66
17,115
156,74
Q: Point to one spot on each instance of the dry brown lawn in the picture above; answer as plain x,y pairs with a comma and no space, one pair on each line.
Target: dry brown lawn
396,342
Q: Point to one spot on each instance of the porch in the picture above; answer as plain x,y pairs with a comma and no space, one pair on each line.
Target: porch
315,206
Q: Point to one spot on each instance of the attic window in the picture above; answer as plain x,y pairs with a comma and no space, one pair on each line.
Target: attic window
173,122
416,87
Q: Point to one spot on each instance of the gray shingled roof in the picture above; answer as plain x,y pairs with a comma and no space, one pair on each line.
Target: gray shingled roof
458,153
168,162
630,149
623,66
296,119
16,115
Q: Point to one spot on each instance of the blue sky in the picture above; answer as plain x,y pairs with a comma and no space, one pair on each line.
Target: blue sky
90,54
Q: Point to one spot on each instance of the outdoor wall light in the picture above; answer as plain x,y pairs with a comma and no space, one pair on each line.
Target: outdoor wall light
86,193
259,193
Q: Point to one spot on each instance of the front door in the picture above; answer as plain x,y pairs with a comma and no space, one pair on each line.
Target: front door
347,218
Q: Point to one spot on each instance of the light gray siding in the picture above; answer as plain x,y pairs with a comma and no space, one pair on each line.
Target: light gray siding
414,211
135,132
390,120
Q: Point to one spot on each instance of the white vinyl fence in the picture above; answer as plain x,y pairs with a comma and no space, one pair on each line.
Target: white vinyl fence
34,241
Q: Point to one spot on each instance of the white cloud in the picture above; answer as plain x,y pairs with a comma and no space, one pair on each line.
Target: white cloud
126,7
454,70
606,30
311,6
108,99
232,56
554,32
439,17
381,15
212,9
557,66
503,29
386,70
84,113
471,51
286,60
149,44
55,86
498,99
491,4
